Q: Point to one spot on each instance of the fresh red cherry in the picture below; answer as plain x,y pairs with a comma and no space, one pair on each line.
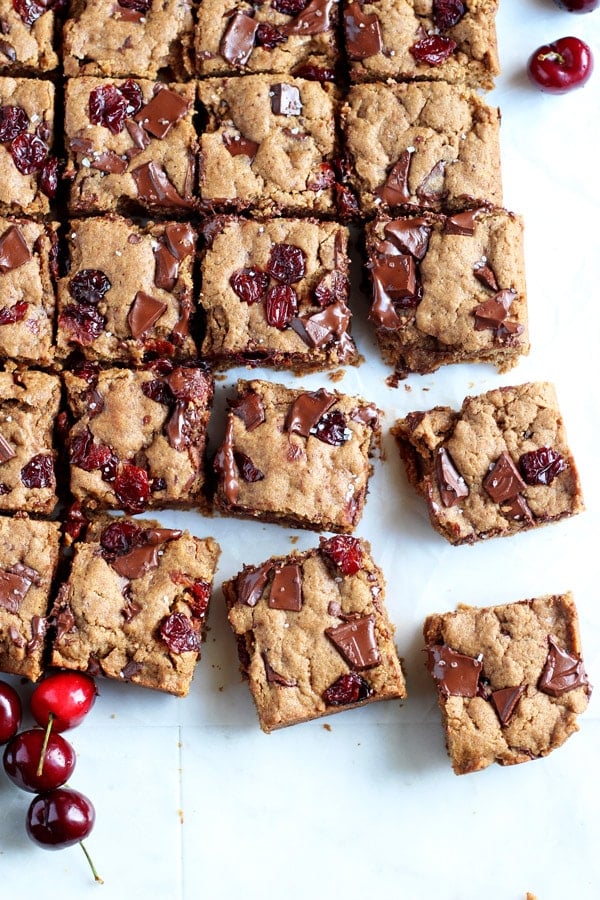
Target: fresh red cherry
578,6
10,712
561,66
59,819
67,697
22,756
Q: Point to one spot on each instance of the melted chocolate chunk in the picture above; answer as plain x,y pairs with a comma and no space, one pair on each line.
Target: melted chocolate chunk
13,588
251,583
145,557
153,186
485,274
39,627
503,481
306,411
250,410
450,482
138,136
14,251
6,451
455,674
363,32
109,162
396,191
357,642
240,146
224,463
562,671
286,588
516,508
144,312
383,312
249,472
431,189
409,235
328,325
505,701
180,239
274,677
397,277
492,313
462,223
167,268
161,113
314,19
237,42
285,100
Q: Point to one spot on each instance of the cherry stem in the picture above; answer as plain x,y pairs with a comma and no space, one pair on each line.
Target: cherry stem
40,767
97,878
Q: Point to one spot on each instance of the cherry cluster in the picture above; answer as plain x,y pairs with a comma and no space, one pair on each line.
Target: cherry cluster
40,760
566,63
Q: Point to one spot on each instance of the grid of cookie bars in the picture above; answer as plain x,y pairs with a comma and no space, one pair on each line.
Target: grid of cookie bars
178,187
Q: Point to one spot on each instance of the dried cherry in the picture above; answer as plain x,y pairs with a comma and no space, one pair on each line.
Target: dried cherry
332,428
433,49
141,6
89,286
132,93
281,305
107,106
289,7
13,122
31,10
87,455
541,466
15,313
159,391
315,73
448,13
48,178
120,537
200,591
268,36
345,551
347,203
84,322
249,284
287,263
177,632
248,470
28,152
38,472
349,688
132,489
323,178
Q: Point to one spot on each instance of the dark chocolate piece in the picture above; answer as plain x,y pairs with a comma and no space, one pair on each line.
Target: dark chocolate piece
363,32
274,677
357,642
503,481
396,191
144,312
410,235
451,484
162,112
486,276
285,99
431,189
14,251
250,410
455,674
6,451
153,186
516,508
492,313
306,411
240,146
313,19
462,223
237,42
562,671
328,325
167,268
251,583
180,239
505,701
109,162
13,588
225,464
286,588
397,276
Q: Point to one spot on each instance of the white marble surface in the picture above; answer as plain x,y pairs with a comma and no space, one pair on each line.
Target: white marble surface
194,801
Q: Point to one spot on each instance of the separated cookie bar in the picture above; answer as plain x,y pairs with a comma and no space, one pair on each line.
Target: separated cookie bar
313,633
28,265
268,145
26,37
28,561
135,37
299,458
275,293
510,679
138,438
135,604
430,145
410,39
287,36
448,289
499,466
129,294
29,403
131,146
28,171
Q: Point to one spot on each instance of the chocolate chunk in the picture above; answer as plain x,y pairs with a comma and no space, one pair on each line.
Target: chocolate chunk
409,235
503,481
450,482
109,162
462,223
144,312
240,146
505,701
383,311
251,583
224,463
64,621
167,268
286,588
16,637
485,275
508,332
455,674
162,112
274,677
328,325
8,50
314,19
176,428
39,627
131,669
180,239
397,276
249,408
494,311
363,32
306,411
516,508
153,186
285,100
237,42
562,671
396,191
79,144
137,134
14,251
431,189
357,642
13,588
6,451
143,558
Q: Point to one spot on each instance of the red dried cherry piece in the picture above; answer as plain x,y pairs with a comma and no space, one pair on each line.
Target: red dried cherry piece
132,489
349,688
289,7
119,537
345,551
87,455
332,429
28,152
31,10
315,73
541,466
268,36
13,122
200,591
132,91
347,203
89,286
107,106
323,178
448,13
287,263
14,313
159,391
48,179
38,472
86,370
434,49
141,6
281,305
333,286
74,521
249,284
248,470
178,634
84,322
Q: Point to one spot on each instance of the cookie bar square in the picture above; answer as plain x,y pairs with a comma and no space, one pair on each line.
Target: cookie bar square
268,145
430,145
498,466
143,38
313,633
26,38
28,561
275,293
135,603
29,404
286,36
296,457
129,293
28,265
510,679
448,289
138,438
432,40
27,167
131,146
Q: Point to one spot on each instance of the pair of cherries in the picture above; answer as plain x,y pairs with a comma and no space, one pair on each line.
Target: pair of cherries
566,63
41,761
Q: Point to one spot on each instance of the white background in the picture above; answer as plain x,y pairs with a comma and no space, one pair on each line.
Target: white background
194,801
